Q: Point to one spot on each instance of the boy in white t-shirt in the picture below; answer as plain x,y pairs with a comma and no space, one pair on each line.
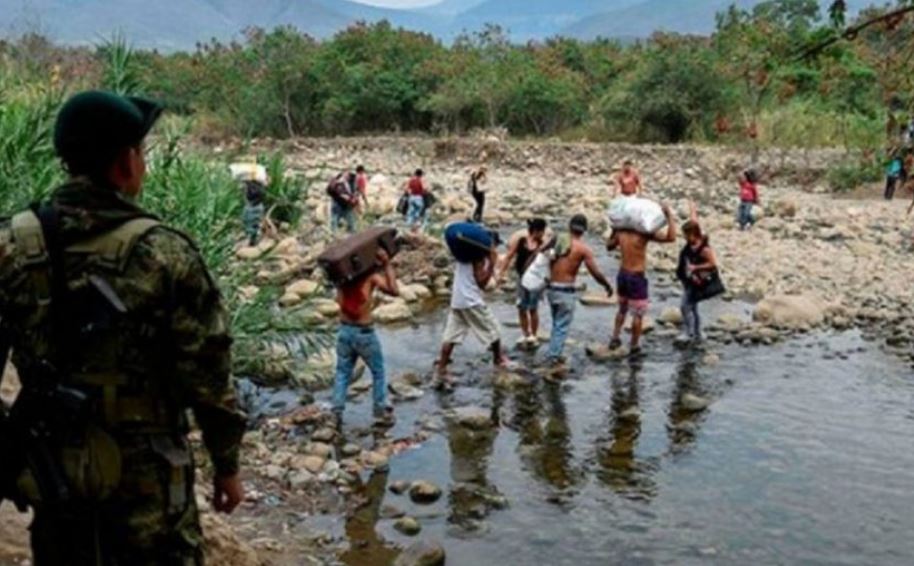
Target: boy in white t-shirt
470,313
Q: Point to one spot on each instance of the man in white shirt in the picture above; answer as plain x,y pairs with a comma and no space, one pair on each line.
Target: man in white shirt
470,313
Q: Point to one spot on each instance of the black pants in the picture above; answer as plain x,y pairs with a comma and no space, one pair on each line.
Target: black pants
890,183
480,198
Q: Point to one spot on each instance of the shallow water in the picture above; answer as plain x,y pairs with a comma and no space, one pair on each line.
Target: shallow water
804,456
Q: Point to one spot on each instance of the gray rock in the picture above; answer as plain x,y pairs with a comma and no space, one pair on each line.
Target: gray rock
300,478
391,512
692,402
399,487
422,553
473,418
408,526
424,492
325,435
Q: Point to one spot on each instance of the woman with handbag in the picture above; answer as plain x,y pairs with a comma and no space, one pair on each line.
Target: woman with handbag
699,275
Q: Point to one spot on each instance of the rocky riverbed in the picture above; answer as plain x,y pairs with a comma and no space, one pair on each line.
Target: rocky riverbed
815,270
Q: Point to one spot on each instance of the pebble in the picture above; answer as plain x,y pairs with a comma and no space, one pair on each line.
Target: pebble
398,487
424,492
408,526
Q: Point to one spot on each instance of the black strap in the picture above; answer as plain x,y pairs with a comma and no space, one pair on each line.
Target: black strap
49,218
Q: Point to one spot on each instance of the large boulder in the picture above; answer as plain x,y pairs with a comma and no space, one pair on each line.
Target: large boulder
791,311
395,311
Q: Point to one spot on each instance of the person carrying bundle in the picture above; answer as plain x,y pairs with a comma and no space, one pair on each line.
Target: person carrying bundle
631,234
344,199
474,249
416,203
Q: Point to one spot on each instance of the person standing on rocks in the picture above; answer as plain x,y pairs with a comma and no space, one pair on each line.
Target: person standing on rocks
478,191
361,189
416,191
253,216
522,249
895,173
356,338
343,201
570,253
631,282
697,264
628,181
748,198
470,313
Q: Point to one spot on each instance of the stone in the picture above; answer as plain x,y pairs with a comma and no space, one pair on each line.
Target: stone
692,402
473,418
414,293
391,512
349,450
422,553
730,322
602,353
323,435
403,390
785,208
671,316
274,472
290,300
249,252
303,288
300,478
398,487
408,526
507,380
319,449
710,359
395,311
791,311
598,300
374,460
327,308
313,464
424,492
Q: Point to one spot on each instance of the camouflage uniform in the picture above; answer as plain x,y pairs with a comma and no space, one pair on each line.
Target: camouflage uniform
168,352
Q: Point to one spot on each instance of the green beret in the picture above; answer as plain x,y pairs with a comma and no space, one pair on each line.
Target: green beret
103,122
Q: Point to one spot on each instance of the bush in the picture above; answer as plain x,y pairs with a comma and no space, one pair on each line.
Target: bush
845,178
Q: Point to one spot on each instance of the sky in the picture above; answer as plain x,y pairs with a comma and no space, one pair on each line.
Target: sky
399,3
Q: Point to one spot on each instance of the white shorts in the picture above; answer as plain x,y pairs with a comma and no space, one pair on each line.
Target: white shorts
478,320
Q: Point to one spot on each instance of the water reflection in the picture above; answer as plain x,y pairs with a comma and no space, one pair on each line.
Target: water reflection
471,496
545,442
366,546
685,417
618,467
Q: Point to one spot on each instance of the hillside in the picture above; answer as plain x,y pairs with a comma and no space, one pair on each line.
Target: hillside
180,24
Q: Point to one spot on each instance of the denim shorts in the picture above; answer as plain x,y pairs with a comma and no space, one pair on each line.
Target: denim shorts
528,301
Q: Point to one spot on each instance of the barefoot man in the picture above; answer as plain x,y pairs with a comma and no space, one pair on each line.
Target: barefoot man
571,252
631,283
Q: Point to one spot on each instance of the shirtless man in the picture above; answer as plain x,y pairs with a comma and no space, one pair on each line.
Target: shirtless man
562,289
631,283
356,338
628,180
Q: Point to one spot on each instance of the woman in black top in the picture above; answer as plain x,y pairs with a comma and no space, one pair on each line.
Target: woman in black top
478,178
697,270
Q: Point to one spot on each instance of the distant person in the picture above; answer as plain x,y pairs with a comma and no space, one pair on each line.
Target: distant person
895,173
470,313
522,249
631,283
748,198
357,338
477,189
570,253
697,262
416,191
628,181
344,199
253,216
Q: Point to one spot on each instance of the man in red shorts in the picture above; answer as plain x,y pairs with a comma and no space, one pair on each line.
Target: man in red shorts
632,286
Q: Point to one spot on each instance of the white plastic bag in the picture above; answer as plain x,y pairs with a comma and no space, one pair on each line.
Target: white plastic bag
536,277
635,213
249,172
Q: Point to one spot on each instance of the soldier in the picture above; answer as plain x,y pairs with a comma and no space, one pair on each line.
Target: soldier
99,296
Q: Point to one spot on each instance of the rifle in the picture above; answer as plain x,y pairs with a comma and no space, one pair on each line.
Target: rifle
31,432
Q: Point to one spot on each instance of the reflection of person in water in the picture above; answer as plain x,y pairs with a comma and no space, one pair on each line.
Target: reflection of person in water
619,468
471,495
684,419
545,446
365,545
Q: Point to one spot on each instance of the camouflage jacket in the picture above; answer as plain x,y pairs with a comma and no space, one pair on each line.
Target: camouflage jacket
177,347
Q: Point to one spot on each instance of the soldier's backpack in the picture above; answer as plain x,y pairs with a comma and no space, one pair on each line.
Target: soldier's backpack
89,455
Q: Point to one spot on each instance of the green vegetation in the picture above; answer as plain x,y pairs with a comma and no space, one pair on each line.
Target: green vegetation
744,84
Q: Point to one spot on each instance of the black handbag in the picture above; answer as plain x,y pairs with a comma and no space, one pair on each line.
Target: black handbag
706,285
403,204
